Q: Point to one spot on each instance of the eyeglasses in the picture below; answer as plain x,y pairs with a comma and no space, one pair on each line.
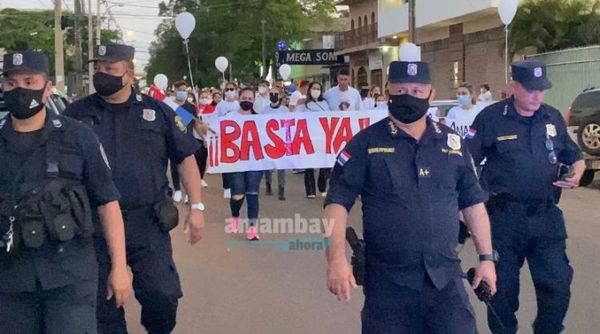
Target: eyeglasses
230,89
552,158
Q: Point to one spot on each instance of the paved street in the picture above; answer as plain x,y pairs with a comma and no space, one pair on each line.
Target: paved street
241,290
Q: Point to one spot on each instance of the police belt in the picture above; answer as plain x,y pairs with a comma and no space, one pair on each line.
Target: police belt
530,206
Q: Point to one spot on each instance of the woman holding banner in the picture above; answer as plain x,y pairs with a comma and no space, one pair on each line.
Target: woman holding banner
315,103
245,184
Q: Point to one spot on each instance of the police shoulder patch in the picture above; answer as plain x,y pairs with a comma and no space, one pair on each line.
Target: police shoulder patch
179,123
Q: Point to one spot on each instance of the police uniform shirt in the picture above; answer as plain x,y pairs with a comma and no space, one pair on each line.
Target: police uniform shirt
80,159
518,159
411,193
139,137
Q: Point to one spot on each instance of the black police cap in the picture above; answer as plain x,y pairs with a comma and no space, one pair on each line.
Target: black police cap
531,74
409,72
113,53
26,61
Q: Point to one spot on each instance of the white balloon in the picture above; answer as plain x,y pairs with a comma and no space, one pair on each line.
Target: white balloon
221,64
161,81
185,24
285,70
507,10
409,52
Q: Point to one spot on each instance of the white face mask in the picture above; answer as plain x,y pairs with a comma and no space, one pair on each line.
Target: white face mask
262,90
315,93
230,94
205,101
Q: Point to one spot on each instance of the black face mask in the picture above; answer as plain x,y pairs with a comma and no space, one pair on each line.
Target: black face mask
274,98
106,84
407,109
246,105
24,103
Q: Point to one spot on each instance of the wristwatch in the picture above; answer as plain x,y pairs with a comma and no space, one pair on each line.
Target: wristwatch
197,206
489,257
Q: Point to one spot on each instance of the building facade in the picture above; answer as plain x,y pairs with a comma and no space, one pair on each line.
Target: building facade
463,40
369,54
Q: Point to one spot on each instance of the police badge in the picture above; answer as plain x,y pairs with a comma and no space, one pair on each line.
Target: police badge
412,69
454,141
149,115
17,59
538,72
101,50
550,130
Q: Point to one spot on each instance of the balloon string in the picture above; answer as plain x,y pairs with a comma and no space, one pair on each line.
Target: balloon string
187,51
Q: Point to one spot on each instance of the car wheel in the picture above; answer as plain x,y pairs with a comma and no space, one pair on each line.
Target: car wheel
587,178
588,137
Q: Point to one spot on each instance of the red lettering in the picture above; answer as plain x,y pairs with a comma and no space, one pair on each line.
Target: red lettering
364,123
302,138
227,139
250,141
277,150
328,129
343,135
287,124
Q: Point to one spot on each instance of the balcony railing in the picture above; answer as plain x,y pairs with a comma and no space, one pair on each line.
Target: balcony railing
360,36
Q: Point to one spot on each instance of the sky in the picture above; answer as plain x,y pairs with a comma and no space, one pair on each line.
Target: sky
137,18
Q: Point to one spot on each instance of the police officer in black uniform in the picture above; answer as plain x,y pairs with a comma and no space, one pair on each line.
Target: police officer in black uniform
525,141
413,176
140,135
53,174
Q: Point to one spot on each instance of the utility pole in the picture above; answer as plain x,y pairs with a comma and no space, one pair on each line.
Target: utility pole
264,52
98,23
90,49
78,51
59,62
412,33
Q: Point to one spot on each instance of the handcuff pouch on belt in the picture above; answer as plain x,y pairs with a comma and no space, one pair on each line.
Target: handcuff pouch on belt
167,215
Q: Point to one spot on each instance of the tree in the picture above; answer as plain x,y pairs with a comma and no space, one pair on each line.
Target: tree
231,28
31,29
548,25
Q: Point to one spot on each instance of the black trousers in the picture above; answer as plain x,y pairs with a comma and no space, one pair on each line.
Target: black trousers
155,279
309,180
201,157
66,310
539,238
393,309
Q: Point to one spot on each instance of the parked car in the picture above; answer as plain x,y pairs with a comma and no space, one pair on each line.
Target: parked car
583,125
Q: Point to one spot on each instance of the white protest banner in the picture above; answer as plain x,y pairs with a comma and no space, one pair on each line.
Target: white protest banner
283,141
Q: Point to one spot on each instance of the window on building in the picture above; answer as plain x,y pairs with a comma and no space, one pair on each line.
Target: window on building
359,21
372,17
352,24
366,22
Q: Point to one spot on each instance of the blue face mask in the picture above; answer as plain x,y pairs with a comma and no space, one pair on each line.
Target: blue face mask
181,96
464,100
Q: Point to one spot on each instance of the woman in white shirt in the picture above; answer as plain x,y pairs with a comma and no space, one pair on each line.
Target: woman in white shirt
314,99
461,117
315,103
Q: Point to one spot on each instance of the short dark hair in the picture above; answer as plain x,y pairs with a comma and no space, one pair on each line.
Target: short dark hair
180,83
343,71
247,89
486,86
231,83
264,82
